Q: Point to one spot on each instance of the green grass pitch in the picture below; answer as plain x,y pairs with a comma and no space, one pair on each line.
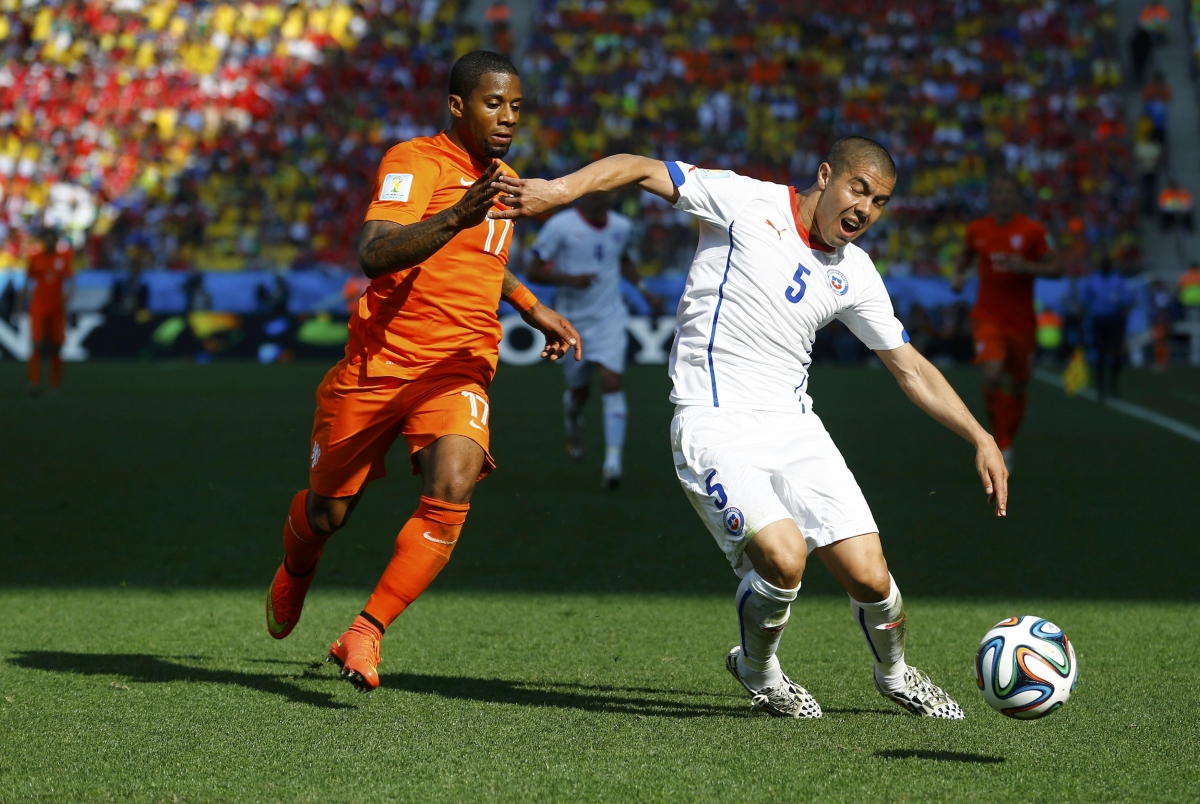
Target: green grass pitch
573,649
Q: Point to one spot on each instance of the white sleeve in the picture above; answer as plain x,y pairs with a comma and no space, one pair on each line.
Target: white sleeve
871,317
549,240
714,196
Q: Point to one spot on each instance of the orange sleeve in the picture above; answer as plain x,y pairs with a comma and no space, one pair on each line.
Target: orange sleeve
403,187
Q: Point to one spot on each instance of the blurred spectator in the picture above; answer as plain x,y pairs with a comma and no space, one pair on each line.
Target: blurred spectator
1154,19
498,16
1140,47
1106,301
1189,288
1156,104
1175,207
1160,317
1148,154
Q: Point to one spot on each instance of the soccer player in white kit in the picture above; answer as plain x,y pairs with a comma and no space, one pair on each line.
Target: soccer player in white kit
585,251
772,267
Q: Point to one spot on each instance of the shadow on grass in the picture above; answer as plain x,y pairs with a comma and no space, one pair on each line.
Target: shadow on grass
856,711
144,668
938,756
643,701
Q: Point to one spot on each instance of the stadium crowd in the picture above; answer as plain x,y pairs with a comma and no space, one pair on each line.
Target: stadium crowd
229,136
214,136
953,88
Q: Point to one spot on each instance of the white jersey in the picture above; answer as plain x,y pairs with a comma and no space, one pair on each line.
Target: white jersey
758,291
577,247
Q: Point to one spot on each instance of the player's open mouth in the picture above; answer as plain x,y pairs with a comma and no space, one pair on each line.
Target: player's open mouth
850,227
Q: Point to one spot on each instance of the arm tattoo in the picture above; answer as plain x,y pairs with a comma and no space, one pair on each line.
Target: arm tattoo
388,247
511,283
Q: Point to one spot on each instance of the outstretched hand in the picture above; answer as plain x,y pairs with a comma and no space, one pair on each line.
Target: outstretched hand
472,209
561,337
989,463
526,198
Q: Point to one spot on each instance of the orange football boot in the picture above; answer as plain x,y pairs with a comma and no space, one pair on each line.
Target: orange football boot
285,600
357,653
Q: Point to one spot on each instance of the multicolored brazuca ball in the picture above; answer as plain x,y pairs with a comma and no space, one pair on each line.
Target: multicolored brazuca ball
1026,667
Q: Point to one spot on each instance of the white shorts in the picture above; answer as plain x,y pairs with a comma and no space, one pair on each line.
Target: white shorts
604,342
744,469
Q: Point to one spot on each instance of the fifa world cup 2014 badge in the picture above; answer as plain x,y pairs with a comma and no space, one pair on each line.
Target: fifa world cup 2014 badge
735,523
837,281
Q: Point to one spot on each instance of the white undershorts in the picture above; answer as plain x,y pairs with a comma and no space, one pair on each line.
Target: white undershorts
604,341
744,469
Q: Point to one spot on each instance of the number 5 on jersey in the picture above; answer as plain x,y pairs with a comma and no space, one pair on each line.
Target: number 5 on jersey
794,295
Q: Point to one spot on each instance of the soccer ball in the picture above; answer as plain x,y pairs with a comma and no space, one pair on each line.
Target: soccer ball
1026,667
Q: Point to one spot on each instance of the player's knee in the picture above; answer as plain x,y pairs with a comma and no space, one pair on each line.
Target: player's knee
326,516
871,585
453,486
610,382
786,568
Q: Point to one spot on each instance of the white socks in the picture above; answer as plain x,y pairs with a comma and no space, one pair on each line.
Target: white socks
763,612
883,626
614,427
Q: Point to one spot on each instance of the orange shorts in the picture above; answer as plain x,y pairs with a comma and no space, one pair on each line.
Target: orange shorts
358,419
1013,347
48,324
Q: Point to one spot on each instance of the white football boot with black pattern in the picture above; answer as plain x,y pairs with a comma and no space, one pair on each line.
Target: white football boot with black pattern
787,699
922,697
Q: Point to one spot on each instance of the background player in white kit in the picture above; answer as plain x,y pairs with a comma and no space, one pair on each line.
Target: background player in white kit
773,265
585,251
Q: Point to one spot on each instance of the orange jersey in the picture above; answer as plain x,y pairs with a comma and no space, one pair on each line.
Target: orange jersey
440,315
1005,297
48,271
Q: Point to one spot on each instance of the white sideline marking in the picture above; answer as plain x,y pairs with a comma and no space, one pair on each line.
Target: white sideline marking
1128,408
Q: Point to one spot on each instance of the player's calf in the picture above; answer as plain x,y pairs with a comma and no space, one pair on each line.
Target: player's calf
763,611
302,549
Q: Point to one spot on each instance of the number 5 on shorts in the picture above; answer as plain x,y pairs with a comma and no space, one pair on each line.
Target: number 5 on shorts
477,421
717,489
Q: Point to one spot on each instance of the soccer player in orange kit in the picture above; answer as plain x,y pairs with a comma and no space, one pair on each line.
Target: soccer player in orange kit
422,350
49,272
1011,250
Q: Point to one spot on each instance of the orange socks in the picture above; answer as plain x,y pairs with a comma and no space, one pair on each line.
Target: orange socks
1005,412
422,548
996,400
302,548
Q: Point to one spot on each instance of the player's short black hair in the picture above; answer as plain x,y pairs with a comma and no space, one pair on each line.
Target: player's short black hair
850,152
468,71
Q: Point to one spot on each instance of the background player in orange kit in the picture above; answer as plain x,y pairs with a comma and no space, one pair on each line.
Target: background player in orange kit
423,347
49,272
1010,250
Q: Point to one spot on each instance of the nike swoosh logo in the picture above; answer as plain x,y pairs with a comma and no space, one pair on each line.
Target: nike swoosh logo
465,182
892,626
273,625
439,541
